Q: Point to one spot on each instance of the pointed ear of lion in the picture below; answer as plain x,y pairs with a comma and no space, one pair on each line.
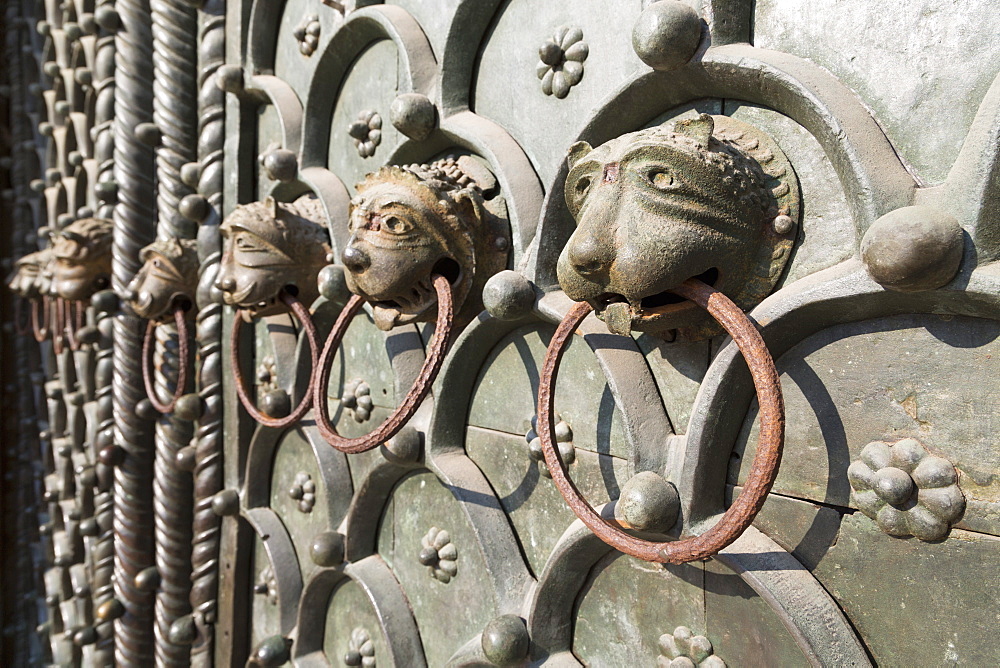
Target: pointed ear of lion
700,129
577,151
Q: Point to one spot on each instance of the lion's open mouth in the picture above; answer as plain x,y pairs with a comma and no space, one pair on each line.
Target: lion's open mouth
619,312
417,300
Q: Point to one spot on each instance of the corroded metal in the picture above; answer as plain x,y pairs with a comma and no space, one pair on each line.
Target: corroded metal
134,213
162,292
270,246
405,408
306,402
208,434
168,278
712,198
82,258
175,114
183,360
409,223
765,468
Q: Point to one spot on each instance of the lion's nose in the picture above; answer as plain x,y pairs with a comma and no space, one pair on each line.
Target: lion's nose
588,256
226,284
355,259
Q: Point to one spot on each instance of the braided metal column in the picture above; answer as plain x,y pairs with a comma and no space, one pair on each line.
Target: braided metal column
208,440
175,113
134,216
103,554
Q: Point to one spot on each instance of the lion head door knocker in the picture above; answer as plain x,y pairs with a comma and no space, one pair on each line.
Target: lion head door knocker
81,254
26,284
424,240
163,291
703,215
273,253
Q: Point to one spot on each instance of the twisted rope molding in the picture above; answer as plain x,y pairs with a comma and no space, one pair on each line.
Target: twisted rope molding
174,28
103,551
133,229
208,439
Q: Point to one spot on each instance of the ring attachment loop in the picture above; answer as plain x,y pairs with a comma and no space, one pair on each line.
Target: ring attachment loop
40,325
302,313
744,509
182,361
421,386
74,313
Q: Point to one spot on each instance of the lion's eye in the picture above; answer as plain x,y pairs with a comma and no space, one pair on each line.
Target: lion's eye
582,185
157,264
246,244
662,179
396,225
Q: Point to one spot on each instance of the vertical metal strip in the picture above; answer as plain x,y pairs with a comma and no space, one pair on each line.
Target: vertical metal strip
134,217
103,555
175,113
208,439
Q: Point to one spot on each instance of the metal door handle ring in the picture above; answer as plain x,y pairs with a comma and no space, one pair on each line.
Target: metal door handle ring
73,316
182,362
302,313
40,330
765,465
406,408
58,326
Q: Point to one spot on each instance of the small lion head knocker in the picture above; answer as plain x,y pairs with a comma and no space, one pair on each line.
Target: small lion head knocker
424,241
272,246
31,282
273,254
411,222
25,280
163,291
82,258
168,278
670,223
713,199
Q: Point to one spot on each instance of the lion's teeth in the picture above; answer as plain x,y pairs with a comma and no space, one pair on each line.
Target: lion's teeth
618,318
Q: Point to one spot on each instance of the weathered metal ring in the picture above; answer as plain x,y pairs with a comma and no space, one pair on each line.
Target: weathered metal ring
40,330
408,406
182,362
765,465
58,326
73,317
302,313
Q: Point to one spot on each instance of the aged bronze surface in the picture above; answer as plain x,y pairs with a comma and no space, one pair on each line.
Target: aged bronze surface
871,271
411,222
414,397
765,467
82,258
710,198
272,246
168,278
183,361
309,331
26,281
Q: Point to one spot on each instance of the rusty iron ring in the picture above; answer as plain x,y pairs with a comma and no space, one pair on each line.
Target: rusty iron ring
182,362
765,465
41,330
406,408
73,316
302,313
58,326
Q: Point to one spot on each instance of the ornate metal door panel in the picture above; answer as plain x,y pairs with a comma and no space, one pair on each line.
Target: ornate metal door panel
483,298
